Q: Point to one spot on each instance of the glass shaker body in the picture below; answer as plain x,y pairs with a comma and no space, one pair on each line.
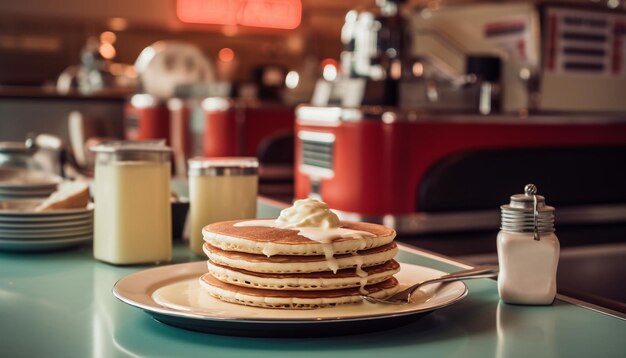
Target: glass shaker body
220,189
527,268
528,250
132,203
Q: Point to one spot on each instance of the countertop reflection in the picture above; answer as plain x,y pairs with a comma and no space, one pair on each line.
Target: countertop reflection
60,304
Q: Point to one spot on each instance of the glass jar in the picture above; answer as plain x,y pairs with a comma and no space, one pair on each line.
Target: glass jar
220,189
528,250
132,202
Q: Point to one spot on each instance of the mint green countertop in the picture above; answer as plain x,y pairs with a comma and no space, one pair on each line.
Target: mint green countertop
60,305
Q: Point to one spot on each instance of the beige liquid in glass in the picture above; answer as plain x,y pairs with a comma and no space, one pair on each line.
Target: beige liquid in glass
219,198
132,214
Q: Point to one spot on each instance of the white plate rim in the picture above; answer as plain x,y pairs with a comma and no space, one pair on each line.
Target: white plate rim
52,224
36,186
51,179
64,218
154,307
48,233
51,213
77,238
25,195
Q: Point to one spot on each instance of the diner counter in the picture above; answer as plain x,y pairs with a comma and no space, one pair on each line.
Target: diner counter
60,305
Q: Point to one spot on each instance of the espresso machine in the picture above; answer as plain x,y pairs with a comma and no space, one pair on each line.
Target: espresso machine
441,113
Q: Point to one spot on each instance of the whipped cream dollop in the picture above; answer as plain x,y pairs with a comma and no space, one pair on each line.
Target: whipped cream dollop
308,213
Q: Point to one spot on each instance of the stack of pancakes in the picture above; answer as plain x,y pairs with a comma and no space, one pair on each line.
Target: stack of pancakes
272,267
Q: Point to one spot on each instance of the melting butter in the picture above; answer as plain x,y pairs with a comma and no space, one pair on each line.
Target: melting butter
314,220
321,235
329,254
361,273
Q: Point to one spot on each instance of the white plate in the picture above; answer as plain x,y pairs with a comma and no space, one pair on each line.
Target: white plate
172,295
28,225
43,245
45,219
25,195
23,208
22,190
47,235
19,178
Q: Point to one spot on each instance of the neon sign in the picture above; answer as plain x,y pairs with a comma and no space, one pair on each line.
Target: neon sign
277,14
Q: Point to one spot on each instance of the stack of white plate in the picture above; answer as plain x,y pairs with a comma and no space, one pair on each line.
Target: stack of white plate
18,183
22,229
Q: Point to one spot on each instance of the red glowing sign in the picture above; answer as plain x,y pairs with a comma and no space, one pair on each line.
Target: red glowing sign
277,14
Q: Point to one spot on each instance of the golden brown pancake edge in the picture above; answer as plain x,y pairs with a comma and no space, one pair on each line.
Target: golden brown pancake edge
390,265
235,255
287,236
342,292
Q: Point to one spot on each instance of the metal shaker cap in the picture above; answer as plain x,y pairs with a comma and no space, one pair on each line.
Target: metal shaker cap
223,166
528,213
132,150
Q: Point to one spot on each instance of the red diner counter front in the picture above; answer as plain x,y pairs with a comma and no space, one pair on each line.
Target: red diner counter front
381,165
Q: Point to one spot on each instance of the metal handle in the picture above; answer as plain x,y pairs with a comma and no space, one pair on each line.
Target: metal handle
531,189
476,272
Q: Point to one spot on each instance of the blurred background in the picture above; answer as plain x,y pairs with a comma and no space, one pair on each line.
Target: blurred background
421,115
38,38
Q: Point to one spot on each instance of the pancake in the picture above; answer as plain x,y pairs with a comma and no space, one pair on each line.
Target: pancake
271,241
326,280
299,264
293,299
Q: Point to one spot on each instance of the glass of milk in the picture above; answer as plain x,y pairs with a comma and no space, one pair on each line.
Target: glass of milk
132,202
220,189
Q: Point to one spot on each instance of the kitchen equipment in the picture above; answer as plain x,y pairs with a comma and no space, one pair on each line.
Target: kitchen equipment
20,183
263,130
220,189
132,198
146,118
181,134
187,121
162,67
81,128
555,56
532,56
171,75
18,154
411,170
51,153
410,125
166,65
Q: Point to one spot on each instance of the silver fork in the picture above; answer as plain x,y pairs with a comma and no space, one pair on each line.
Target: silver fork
404,296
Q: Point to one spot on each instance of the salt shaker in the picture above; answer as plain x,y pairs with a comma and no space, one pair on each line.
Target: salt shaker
528,250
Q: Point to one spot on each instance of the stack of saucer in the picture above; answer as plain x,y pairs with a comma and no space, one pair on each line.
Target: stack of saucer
17,183
22,229
256,264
